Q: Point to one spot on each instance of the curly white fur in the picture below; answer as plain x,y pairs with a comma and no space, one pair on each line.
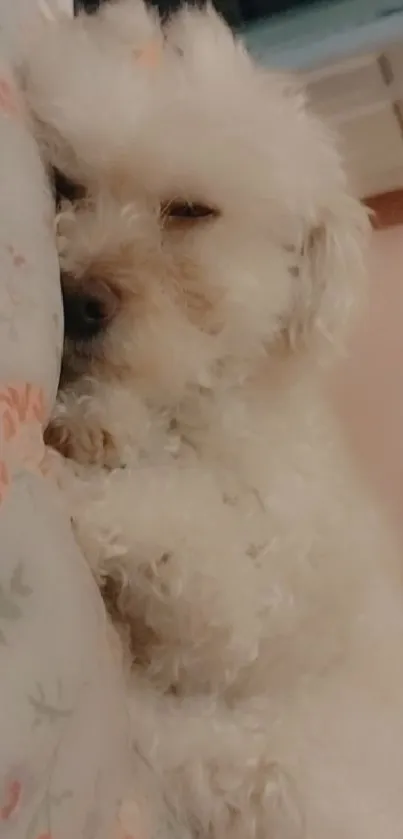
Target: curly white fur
258,587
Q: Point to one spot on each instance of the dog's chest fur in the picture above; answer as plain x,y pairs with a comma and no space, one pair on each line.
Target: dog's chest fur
250,576
223,534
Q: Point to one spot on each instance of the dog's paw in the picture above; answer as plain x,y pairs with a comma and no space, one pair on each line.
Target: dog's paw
86,444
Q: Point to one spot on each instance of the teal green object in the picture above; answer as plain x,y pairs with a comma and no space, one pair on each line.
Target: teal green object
325,32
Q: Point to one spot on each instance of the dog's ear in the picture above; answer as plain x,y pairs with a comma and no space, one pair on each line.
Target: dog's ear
330,274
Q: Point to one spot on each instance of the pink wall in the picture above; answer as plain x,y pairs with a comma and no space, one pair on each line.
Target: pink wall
369,387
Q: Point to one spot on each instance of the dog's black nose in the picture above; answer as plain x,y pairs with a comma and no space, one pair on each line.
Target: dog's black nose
87,311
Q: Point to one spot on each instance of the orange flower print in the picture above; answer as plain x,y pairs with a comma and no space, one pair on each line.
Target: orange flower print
17,258
12,795
121,833
9,425
22,413
23,403
8,99
4,480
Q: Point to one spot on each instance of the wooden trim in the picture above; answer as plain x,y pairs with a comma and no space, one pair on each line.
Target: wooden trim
387,209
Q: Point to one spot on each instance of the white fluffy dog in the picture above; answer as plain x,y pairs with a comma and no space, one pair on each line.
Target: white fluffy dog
210,252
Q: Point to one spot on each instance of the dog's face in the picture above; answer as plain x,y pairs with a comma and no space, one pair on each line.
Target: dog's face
203,219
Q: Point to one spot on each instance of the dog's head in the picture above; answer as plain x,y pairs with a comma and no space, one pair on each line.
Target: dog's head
204,223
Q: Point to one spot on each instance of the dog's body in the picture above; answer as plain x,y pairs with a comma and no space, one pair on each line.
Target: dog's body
256,586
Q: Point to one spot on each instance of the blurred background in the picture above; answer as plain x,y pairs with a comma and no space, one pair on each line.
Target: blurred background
350,55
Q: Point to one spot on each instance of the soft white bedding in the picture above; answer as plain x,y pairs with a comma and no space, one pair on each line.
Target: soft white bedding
63,722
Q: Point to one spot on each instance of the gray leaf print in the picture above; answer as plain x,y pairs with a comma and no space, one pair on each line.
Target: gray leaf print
7,321
92,825
33,826
9,609
58,798
10,597
17,585
46,710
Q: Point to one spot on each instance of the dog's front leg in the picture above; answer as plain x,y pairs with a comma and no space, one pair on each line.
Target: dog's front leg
180,578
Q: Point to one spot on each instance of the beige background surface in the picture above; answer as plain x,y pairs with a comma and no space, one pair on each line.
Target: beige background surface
368,388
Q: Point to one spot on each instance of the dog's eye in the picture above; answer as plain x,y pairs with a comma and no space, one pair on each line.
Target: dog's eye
88,313
65,188
188,210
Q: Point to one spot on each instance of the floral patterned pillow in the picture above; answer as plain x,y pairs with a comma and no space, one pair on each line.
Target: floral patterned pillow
63,721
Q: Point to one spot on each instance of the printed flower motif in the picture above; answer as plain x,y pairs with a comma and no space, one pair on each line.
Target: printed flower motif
22,414
8,99
18,259
9,424
4,480
121,833
25,403
128,812
11,799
